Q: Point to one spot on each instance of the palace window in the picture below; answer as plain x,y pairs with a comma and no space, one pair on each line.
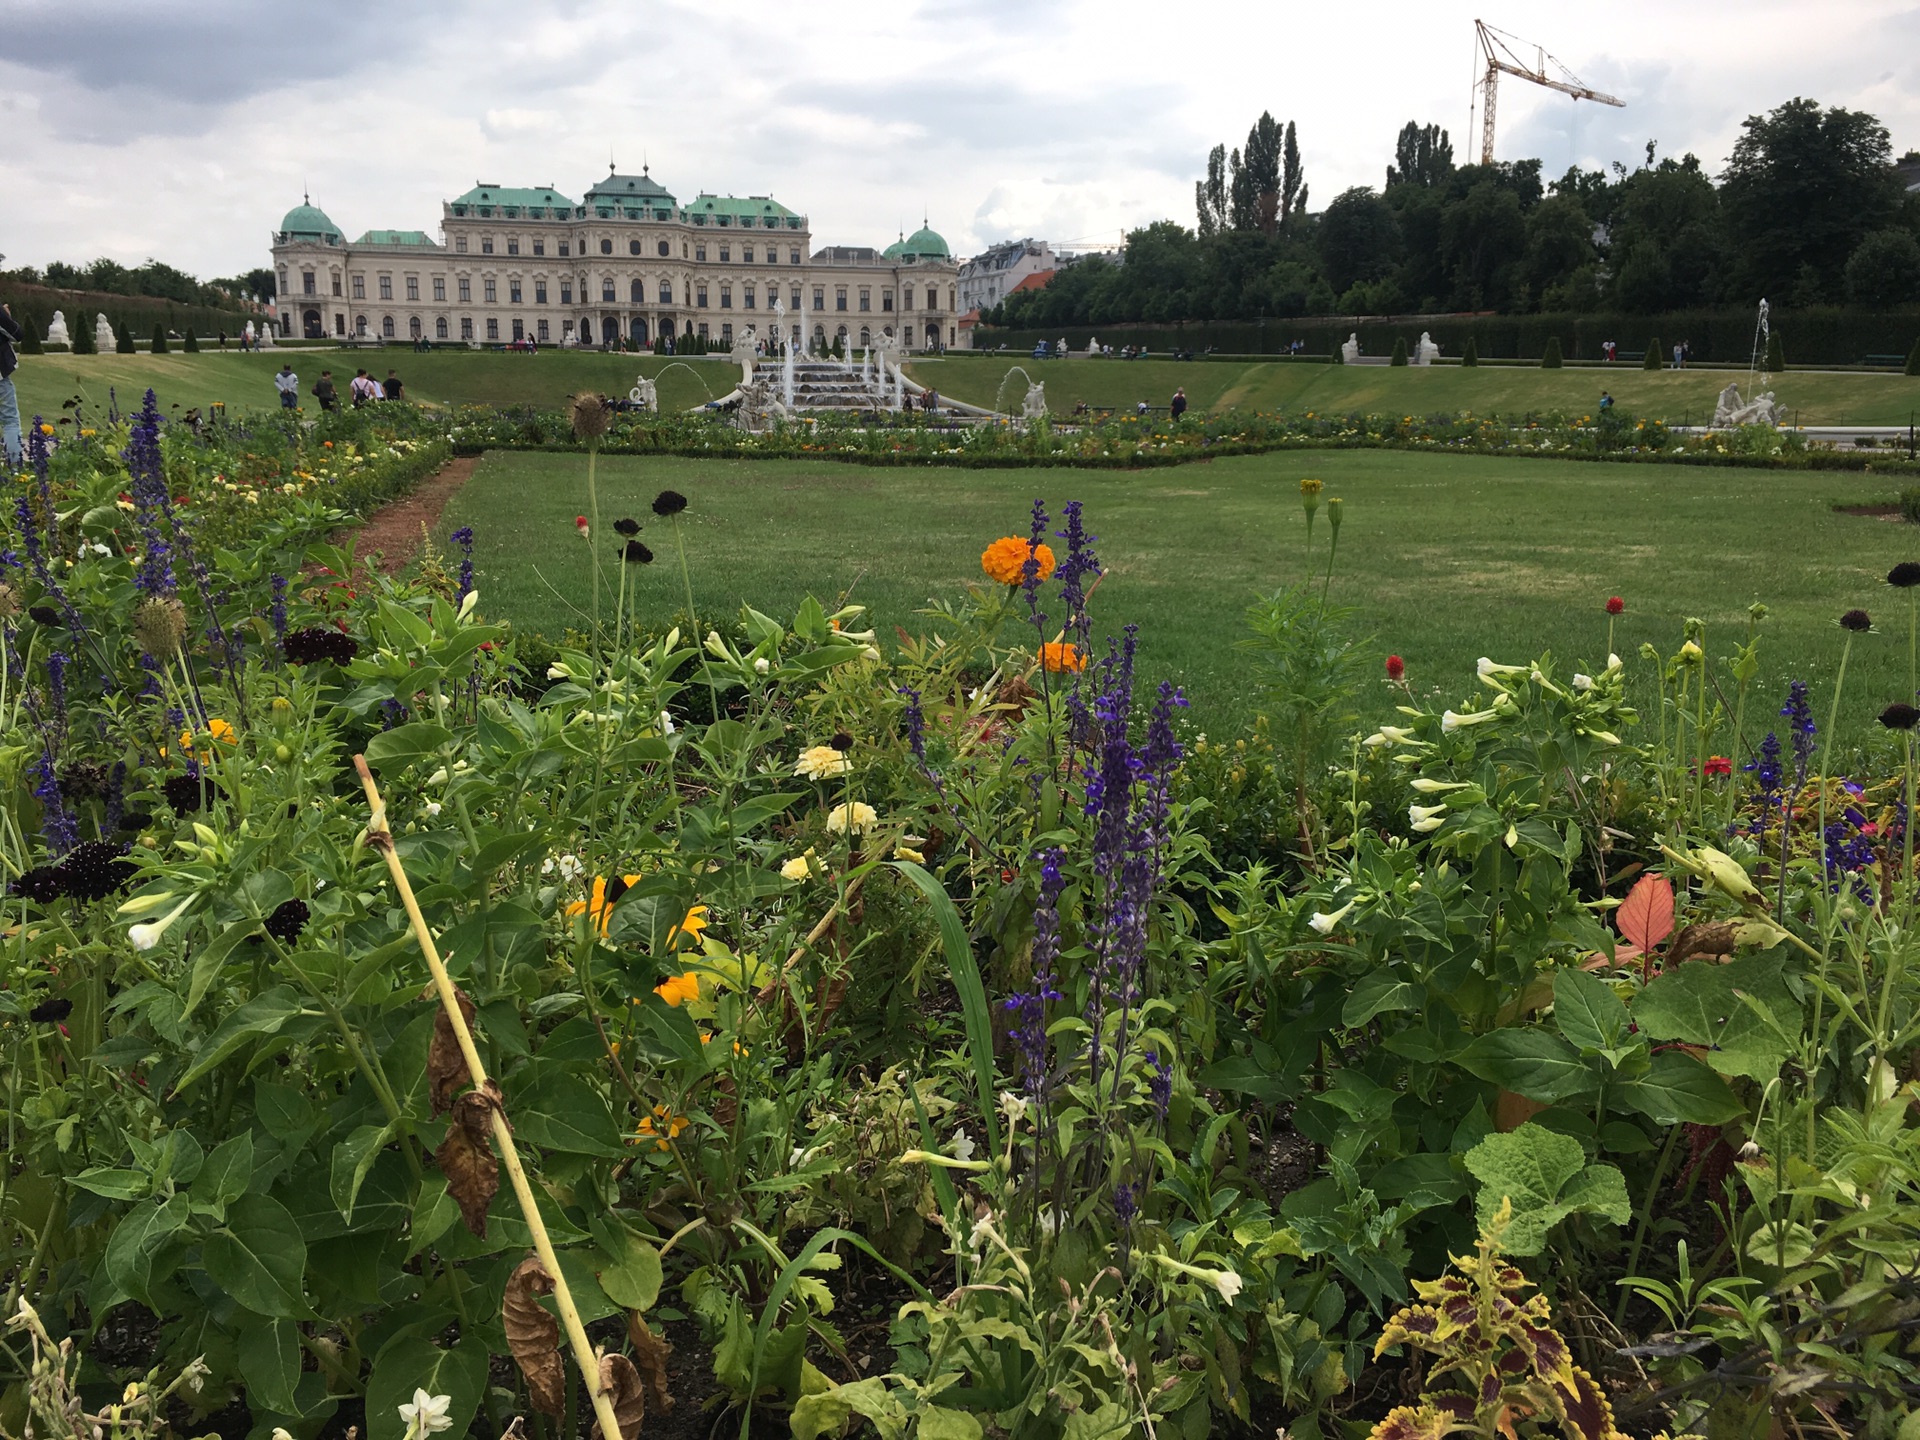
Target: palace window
701,296
638,290
703,329
306,282
726,297
359,287
513,291
866,338
633,247
746,297
460,244
726,253
339,324
386,326
513,245
886,300
793,257
519,331
839,297
866,298
819,297
906,298
566,327
493,329
543,330
664,251
726,333
563,250
486,244
539,292
466,290
413,287
466,327
491,294
666,292
607,295
440,328
566,292
386,287
539,247
746,254
700,252
795,306
440,287
360,325
606,247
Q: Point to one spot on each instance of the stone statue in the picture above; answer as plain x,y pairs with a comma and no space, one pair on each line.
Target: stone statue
743,346
1730,412
646,395
247,333
1350,351
103,340
57,331
267,327
1035,405
1426,352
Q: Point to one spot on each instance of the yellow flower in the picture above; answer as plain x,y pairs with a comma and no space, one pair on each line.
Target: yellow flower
907,852
690,926
600,907
820,762
1311,488
661,1127
220,729
798,868
852,816
46,429
1005,559
1057,655
676,990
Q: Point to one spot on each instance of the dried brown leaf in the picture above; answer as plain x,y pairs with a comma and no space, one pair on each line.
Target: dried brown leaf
650,1352
534,1335
447,1071
517,1430
622,1384
466,1158
1703,940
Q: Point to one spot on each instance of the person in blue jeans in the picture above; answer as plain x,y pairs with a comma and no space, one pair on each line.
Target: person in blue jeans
10,331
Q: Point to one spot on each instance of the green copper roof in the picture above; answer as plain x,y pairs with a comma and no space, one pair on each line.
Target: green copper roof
309,222
628,189
753,210
500,198
928,244
395,237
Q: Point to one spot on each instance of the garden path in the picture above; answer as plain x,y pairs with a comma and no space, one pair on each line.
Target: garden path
395,531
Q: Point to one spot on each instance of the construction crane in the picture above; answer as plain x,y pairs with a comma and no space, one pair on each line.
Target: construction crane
1501,56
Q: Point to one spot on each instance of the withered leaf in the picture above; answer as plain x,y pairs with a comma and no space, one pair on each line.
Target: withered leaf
517,1430
622,1384
1702,940
534,1335
651,1352
447,1071
466,1158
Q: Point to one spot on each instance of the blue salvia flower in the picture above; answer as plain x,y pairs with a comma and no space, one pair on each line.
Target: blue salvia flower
1028,1030
278,614
916,724
463,537
152,506
1126,1202
113,404
1030,568
29,529
57,825
116,797
1767,777
1074,572
1798,712
57,664
1159,1084
38,455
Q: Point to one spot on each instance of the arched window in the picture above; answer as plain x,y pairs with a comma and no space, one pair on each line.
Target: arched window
606,247
866,338
466,327
664,252
440,328
413,326
639,292
666,292
360,325
386,327
607,293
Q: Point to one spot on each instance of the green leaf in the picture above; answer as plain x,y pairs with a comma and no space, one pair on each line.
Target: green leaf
937,1422
1547,1178
269,1356
1380,990
632,1275
1679,1088
434,1209
114,1184
1587,1011
227,1173
559,1111
259,1017
139,1237
259,1258
211,957
408,1364
352,1158
1699,1003
1244,1075
1529,1062
396,748
964,971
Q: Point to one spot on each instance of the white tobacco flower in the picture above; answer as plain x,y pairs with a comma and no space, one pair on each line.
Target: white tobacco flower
961,1144
666,723
1486,669
762,665
1451,721
558,671
1438,787
1581,682
466,605
145,937
1326,924
1388,735
1426,818
433,809
1228,1282
427,1415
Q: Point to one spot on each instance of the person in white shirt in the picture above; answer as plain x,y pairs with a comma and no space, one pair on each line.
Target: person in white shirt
288,384
362,389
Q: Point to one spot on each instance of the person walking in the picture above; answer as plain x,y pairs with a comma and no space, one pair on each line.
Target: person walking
1179,405
391,386
10,331
362,389
324,392
1679,357
288,384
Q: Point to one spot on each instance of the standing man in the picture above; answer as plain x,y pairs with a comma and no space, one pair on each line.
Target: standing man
324,392
391,387
361,388
288,384
10,331
1179,406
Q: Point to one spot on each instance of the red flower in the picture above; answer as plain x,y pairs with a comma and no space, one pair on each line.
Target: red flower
1719,765
1615,605
1396,667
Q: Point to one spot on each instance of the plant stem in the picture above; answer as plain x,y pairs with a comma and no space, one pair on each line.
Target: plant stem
693,619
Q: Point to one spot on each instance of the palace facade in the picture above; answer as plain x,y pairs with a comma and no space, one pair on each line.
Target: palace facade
627,262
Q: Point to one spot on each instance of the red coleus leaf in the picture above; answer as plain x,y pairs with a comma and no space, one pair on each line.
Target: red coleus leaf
1646,916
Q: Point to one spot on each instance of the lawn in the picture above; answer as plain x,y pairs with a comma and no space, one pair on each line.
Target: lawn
1444,558
1672,395
458,377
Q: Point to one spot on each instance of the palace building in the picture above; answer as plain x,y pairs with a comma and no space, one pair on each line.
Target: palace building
627,262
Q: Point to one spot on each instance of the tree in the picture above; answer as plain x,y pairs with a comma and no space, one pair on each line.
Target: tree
81,333
1885,269
159,345
1552,359
123,339
1293,183
1480,238
1253,189
1651,360
1559,243
1423,156
1803,188
1470,356
1358,239
30,339
1913,359
1399,356
190,344
1776,355
1210,194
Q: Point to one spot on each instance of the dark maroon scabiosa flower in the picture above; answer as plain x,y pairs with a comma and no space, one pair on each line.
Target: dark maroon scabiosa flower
86,778
288,919
42,884
669,502
1857,621
51,1012
45,614
1900,716
1905,575
135,820
627,526
319,642
841,741
183,792
94,870
635,552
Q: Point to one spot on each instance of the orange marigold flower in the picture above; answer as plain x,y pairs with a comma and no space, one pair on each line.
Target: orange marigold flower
1058,655
600,907
676,990
1005,560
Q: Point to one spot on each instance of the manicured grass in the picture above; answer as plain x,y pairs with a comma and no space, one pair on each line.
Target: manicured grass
440,377
1671,395
1445,558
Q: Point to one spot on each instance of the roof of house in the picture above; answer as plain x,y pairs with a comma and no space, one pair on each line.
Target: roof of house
620,188
515,198
761,210
924,242
309,221
395,237
1039,280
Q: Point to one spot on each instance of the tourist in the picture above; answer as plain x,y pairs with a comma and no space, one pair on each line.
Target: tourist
391,389
1679,357
288,384
1607,348
1140,409
324,392
1179,406
362,389
1606,402
10,331
930,400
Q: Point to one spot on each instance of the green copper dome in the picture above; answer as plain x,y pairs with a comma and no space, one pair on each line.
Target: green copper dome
923,244
309,222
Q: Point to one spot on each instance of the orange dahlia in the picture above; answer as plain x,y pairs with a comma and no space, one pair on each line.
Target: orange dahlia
1005,560
1057,655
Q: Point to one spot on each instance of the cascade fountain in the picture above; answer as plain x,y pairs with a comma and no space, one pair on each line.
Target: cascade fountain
1759,408
786,347
1001,387
682,365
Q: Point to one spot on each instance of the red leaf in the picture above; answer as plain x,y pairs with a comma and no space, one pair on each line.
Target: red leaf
1646,916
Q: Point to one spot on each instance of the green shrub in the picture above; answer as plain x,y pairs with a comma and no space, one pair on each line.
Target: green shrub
1551,360
82,332
190,345
1471,354
1776,357
1652,362
1910,504
159,339
1399,351
123,339
30,341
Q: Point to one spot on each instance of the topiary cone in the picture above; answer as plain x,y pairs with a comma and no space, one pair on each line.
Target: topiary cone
1652,362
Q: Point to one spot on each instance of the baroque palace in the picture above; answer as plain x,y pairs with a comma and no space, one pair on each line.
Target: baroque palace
625,263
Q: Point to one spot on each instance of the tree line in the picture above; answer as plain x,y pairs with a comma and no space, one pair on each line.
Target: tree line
1808,210
155,280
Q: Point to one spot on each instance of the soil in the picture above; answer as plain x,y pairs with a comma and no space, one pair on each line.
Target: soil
393,532
1874,512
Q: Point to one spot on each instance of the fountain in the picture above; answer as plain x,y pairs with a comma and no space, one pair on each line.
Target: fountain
1001,387
682,365
1760,408
1034,406
645,395
786,345
57,331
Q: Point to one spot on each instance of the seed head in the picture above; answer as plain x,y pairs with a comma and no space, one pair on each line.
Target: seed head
160,624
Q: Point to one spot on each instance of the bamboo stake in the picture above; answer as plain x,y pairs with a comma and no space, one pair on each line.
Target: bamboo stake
381,838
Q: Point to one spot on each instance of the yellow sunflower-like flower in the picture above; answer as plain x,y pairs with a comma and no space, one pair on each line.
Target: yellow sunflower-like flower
1005,560
677,990
600,907
662,1127
1058,655
220,730
690,926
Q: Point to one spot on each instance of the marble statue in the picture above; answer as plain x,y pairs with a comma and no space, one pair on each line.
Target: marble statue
1035,405
247,334
265,341
646,395
743,346
1093,347
57,331
103,340
1350,351
1730,411
1426,352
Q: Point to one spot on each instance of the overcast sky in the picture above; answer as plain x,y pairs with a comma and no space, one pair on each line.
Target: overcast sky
184,131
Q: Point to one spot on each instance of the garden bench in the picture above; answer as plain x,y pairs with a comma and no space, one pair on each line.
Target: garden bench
1883,360
1629,357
